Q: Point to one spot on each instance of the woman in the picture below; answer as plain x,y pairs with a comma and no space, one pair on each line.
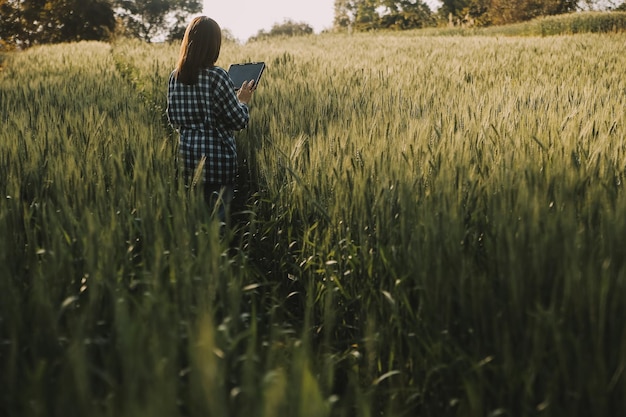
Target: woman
204,108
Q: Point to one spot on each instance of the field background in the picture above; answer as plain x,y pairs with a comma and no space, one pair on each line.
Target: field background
424,226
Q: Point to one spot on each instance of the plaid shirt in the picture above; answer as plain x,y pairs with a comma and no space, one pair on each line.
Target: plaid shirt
205,115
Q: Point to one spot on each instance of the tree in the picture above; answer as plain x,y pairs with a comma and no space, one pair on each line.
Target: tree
9,29
474,12
85,20
406,14
287,28
497,12
29,22
382,14
366,16
345,11
455,8
154,19
505,11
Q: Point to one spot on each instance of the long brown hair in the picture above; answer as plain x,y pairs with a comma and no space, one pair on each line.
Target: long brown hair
200,49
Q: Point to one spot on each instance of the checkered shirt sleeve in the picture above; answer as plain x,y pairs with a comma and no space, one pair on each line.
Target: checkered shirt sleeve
206,114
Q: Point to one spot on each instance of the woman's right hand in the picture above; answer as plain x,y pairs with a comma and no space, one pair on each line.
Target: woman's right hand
244,94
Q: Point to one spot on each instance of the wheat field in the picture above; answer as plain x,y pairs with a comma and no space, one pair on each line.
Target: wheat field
423,226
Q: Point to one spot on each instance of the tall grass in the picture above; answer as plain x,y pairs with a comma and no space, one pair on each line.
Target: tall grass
452,195
424,226
564,24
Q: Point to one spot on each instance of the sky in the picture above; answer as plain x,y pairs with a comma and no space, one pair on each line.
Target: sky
244,18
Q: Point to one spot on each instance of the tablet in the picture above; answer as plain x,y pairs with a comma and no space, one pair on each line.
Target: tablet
246,72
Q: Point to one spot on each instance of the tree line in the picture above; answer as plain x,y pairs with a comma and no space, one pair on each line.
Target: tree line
29,22
24,23
363,15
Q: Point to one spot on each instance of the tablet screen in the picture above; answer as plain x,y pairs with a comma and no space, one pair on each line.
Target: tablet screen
246,72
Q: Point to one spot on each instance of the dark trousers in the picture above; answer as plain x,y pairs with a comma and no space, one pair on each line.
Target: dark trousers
219,197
